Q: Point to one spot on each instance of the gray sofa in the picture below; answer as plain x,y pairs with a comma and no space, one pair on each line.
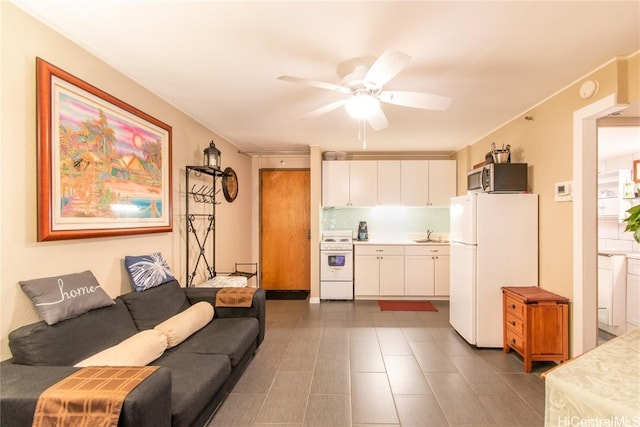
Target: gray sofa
193,379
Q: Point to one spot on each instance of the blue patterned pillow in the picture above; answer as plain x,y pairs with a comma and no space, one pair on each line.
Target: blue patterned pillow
147,271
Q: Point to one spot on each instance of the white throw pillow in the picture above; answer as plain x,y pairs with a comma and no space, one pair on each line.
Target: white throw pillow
181,326
137,350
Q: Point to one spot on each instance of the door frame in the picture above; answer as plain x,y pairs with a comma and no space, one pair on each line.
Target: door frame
584,323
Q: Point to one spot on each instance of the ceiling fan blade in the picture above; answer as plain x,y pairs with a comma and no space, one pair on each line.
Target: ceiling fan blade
425,101
378,120
323,110
315,83
390,63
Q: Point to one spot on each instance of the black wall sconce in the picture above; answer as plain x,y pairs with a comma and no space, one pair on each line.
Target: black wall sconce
212,157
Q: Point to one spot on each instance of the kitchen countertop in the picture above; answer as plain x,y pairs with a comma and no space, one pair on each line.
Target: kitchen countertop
399,242
619,252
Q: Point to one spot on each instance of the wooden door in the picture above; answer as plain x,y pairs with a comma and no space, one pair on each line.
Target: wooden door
285,226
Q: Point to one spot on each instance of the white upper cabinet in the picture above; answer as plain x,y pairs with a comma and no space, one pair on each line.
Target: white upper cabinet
363,183
442,182
349,183
389,182
335,183
414,182
427,182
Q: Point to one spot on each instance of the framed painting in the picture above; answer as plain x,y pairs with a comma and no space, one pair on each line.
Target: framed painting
104,167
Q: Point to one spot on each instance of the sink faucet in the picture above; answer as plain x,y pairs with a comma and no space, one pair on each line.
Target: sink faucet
429,234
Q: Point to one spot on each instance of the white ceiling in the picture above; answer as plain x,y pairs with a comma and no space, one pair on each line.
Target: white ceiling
218,60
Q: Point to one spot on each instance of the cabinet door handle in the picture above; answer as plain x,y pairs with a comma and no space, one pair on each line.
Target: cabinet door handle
513,323
512,306
513,340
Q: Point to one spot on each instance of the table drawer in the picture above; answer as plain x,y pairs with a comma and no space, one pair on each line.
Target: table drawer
514,307
515,324
516,341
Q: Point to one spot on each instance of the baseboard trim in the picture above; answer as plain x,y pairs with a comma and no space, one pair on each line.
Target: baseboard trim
314,300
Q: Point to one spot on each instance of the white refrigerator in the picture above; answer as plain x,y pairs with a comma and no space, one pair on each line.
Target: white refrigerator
494,243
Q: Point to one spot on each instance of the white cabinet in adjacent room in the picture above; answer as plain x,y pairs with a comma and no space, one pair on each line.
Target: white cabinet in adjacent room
612,276
426,271
611,188
633,293
378,270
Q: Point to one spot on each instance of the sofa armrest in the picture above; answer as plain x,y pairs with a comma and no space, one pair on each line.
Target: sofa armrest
257,309
148,405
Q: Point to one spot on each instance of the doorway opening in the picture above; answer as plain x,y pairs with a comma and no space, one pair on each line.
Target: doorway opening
585,241
618,147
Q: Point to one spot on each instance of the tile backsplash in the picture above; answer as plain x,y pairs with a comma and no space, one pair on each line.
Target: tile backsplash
611,236
387,219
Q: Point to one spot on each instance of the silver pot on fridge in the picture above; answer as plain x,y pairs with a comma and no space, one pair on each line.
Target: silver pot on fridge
501,155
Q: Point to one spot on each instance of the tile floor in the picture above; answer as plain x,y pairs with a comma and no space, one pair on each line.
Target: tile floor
350,364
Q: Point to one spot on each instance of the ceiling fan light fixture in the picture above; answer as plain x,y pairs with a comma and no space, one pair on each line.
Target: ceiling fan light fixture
362,105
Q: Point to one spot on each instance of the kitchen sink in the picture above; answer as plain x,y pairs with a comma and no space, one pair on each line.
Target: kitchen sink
430,241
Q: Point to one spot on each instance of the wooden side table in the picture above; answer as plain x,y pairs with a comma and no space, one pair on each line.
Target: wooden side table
536,324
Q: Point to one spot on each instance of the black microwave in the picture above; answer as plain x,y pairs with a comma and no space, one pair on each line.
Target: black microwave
498,178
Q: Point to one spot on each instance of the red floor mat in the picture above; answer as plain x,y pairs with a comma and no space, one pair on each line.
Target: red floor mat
406,306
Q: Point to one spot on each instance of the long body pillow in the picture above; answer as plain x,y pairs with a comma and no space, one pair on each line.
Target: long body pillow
137,350
182,325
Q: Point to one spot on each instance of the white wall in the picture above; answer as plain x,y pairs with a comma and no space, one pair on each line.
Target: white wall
22,39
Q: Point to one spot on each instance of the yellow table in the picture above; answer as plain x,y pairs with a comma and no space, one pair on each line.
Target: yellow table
599,388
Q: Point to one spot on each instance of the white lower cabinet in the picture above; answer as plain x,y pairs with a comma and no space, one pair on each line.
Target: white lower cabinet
378,270
441,275
612,276
395,270
416,275
633,293
426,271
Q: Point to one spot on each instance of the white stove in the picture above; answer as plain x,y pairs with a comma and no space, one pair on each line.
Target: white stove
336,239
336,265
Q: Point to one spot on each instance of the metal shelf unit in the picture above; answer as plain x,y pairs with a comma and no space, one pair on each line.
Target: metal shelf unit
204,236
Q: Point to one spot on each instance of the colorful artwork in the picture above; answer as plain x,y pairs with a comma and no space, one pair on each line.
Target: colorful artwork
106,164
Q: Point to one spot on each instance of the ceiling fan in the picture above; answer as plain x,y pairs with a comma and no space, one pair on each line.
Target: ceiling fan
365,89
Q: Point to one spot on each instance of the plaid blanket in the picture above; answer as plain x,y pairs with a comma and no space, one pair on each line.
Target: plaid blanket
92,396
235,297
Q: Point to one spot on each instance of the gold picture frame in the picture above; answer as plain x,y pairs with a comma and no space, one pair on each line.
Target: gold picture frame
104,167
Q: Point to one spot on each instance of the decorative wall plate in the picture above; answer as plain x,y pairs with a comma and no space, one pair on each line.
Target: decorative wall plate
230,184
